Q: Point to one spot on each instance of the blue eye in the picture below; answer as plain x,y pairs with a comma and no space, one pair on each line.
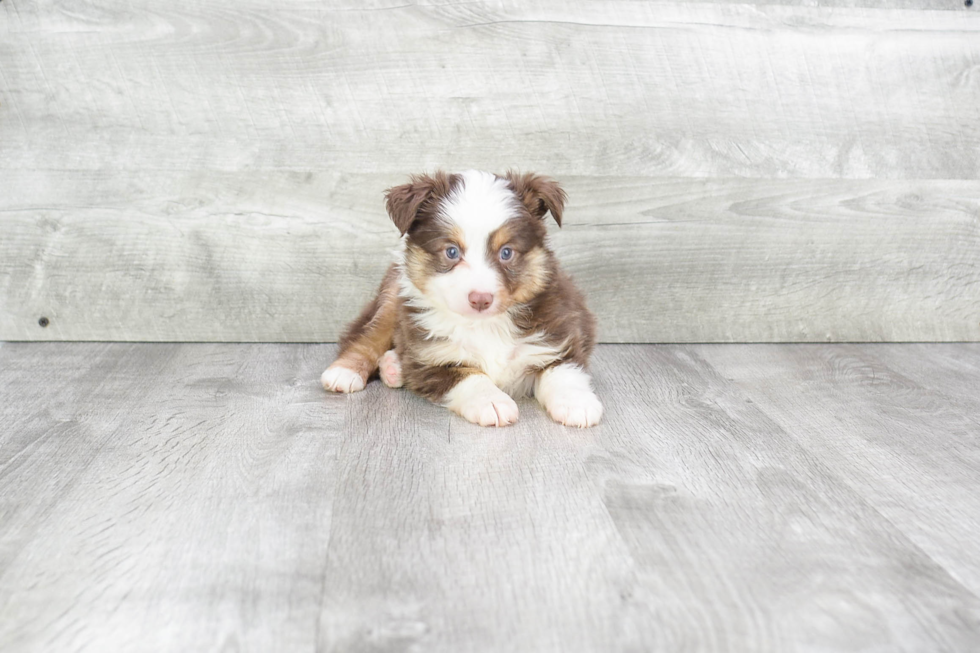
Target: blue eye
506,253
452,252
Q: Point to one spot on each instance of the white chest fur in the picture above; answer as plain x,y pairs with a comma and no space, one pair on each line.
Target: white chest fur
491,345
510,362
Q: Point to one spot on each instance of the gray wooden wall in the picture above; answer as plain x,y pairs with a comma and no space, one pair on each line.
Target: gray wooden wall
213,170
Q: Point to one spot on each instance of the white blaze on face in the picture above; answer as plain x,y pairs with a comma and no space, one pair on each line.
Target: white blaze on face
479,206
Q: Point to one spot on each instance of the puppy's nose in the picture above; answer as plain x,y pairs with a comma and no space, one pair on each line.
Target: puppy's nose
480,300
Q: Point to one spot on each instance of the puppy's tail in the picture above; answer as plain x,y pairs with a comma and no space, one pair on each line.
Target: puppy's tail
368,337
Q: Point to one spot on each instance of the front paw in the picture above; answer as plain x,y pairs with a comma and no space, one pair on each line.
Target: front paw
338,378
576,408
478,400
497,409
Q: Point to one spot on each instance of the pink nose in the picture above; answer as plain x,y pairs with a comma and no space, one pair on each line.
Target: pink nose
480,300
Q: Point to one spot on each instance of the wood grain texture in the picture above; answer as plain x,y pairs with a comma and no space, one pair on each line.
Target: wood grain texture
584,88
285,256
212,497
716,499
863,410
164,498
933,5
212,171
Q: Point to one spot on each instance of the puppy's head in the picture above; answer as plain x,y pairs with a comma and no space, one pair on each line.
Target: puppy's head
475,242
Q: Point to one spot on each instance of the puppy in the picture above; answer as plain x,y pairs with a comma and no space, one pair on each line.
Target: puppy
475,310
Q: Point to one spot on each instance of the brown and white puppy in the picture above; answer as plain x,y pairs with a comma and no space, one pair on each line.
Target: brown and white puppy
476,309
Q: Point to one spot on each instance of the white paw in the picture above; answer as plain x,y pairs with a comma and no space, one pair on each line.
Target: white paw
497,409
576,408
337,378
390,369
478,400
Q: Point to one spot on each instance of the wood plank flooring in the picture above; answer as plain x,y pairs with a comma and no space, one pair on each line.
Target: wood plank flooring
211,497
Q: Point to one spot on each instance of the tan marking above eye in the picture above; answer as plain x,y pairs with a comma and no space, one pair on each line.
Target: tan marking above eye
500,238
456,238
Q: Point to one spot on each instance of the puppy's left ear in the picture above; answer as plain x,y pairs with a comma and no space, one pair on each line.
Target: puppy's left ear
539,194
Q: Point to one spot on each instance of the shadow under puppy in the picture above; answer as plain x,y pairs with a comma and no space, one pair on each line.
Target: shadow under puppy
476,309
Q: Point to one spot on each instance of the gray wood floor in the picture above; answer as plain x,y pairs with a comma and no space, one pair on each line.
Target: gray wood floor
737,498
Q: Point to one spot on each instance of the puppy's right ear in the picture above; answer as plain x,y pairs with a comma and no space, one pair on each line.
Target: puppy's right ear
404,202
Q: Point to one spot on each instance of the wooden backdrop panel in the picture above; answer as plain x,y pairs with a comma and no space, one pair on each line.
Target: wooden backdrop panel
604,88
737,172
288,256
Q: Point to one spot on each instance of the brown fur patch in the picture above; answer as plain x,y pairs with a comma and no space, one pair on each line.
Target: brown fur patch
525,274
371,334
560,312
433,383
539,194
